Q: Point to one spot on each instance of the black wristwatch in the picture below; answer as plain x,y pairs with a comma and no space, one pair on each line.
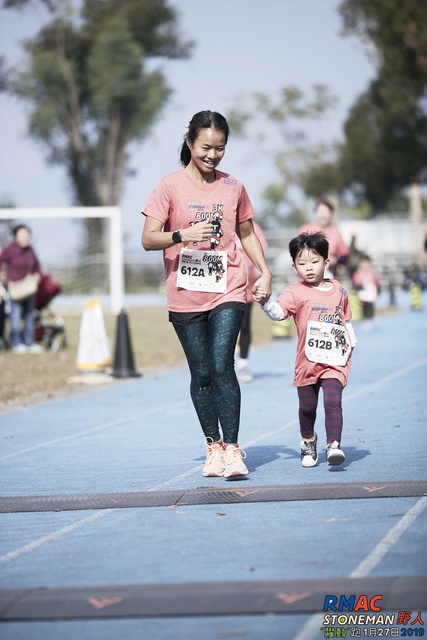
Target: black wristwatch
176,237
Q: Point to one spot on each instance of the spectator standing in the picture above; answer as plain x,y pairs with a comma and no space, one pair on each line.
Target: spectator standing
354,256
20,259
366,283
324,212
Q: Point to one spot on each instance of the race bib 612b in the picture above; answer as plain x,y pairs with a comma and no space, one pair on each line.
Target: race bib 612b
327,343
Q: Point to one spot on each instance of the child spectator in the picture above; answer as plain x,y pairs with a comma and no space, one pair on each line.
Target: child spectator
366,283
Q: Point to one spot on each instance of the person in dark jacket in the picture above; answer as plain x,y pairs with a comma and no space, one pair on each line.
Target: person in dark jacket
20,259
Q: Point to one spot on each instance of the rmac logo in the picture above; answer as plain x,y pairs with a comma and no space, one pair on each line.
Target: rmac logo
363,603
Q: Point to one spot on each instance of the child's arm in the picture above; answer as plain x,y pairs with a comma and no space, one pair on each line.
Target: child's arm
273,310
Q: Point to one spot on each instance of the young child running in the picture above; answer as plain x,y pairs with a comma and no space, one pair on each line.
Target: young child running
321,311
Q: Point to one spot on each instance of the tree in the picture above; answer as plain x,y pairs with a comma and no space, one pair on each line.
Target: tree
284,132
385,146
90,91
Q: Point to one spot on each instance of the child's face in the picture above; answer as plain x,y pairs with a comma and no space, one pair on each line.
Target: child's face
310,267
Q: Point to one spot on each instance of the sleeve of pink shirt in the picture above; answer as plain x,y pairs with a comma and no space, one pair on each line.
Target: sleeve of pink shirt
158,203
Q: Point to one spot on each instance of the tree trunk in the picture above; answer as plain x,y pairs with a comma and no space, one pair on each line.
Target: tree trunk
416,215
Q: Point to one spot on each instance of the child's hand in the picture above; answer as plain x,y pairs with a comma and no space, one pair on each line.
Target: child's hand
261,299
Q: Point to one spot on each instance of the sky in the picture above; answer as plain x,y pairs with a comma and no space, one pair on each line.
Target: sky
241,46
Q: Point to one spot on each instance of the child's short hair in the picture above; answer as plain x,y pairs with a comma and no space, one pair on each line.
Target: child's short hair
316,242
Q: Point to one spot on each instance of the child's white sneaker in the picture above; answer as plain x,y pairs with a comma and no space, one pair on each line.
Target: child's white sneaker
334,454
309,455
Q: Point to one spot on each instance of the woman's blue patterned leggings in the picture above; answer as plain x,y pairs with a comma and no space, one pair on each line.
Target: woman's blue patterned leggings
209,348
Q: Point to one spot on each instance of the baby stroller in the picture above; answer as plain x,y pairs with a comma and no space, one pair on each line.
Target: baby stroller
49,326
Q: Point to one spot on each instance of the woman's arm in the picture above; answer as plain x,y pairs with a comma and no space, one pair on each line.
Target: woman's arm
155,239
252,247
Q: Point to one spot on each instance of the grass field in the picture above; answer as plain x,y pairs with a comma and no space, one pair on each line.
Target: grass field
29,378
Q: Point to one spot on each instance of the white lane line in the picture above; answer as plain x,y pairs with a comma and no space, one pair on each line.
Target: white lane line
100,427
392,376
263,436
382,548
355,394
272,432
57,534
245,445
188,473
311,629
13,555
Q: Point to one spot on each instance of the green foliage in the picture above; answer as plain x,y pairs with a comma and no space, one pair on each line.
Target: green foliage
10,4
3,74
285,130
395,32
6,202
90,91
152,24
322,179
383,150
116,82
385,147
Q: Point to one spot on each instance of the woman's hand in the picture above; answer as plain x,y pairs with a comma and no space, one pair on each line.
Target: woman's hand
155,238
261,290
199,232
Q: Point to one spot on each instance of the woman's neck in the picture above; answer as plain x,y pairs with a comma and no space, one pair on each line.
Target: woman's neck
203,178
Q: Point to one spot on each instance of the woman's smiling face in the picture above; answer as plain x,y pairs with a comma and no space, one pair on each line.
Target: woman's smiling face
207,151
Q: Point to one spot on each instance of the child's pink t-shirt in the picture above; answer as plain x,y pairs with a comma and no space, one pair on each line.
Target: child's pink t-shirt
178,201
368,283
305,303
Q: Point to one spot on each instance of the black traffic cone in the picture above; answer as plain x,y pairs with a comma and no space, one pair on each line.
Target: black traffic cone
124,366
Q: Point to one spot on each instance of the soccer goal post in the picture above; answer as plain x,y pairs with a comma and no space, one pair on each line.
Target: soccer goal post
114,238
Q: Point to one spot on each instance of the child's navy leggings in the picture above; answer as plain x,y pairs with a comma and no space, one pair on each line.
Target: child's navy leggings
332,401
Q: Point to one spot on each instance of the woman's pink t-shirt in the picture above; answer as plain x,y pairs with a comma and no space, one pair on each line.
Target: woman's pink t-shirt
178,201
337,247
304,303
